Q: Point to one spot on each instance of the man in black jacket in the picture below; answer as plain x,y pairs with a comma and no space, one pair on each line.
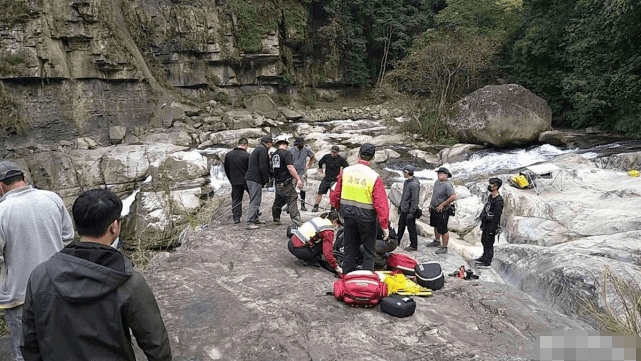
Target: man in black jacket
408,207
334,164
236,164
257,176
490,222
82,303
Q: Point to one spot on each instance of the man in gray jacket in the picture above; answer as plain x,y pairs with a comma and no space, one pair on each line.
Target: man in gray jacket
34,224
408,207
82,303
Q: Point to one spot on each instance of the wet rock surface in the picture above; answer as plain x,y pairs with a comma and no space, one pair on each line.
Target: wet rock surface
233,294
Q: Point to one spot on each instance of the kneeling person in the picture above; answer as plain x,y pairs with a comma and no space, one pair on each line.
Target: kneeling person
314,240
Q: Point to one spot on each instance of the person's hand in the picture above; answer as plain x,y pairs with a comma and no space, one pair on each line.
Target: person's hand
440,207
385,234
299,184
320,170
306,166
339,270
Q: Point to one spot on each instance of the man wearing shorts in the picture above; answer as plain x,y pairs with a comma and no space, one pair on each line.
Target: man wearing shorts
442,197
334,164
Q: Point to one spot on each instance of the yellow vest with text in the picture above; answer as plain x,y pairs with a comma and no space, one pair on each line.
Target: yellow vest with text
356,192
311,228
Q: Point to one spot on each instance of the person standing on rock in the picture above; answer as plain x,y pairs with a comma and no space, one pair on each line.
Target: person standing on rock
334,164
86,300
236,164
490,222
408,208
442,197
34,225
360,196
284,176
314,241
257,176
300,153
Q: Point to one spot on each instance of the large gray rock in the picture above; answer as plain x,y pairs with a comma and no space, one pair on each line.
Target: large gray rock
458,153
244,296
501,115
261,103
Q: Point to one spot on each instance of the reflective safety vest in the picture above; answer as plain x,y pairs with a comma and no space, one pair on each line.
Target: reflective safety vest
358,186
308,231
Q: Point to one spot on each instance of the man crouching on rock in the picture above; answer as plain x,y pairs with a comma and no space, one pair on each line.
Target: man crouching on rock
315,239
83,301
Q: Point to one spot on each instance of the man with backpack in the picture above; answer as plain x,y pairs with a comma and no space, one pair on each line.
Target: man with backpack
284,175
490,222
360,196
314,241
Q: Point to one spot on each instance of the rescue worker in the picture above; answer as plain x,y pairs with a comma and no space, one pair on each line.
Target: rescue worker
314,241
284,174
361,199
490,222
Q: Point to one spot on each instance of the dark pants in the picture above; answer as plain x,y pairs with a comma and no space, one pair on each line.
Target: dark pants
487,240
307,253
237,200
357,233
439,220
411,228
302,196
255,197
286,194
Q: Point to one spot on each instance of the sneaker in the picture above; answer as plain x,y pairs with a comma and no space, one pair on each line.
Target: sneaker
258,221
483,265
441,250
303,208
479,260
315,208
434,243
277,222
236,221
410,248
251,226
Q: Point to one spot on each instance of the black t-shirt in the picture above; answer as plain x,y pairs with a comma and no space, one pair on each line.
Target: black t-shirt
332,166
280,160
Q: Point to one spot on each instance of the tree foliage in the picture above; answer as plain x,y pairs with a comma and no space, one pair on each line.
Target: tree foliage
584,57
371,34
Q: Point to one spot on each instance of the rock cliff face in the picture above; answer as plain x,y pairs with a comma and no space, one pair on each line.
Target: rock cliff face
78,67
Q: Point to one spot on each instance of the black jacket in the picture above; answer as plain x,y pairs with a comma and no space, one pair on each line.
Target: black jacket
409,199
81,303
491,214
258,168
236,164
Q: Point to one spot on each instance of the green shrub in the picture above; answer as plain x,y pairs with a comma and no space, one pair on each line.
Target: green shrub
221,97
12,64
308,97
255,19
4,329
14,11
12,113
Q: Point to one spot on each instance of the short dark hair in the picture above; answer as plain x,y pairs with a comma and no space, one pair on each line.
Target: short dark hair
94,210
366,157
242,141
15,178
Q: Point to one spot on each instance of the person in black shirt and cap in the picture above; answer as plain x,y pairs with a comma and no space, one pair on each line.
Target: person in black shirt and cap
334,164
257,176
236,163
490,222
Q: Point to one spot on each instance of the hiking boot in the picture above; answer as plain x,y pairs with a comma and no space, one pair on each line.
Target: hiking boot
441,250
236,221
251,226
483,265
315,208
434,243
277,222
479,260
302,207
410,248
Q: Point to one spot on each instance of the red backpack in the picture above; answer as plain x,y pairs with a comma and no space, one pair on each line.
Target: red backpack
360,289
401,262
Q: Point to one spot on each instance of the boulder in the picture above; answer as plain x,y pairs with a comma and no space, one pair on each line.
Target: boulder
261,104
458,153
239,119
117,133
290,114
229,138
501,115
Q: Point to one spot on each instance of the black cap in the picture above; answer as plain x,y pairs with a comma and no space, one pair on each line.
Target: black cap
367,149
9,169
408,169
299,141
445,171
266,139
497,181
335,148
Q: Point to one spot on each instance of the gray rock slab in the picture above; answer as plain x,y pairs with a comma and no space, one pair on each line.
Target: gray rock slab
233,294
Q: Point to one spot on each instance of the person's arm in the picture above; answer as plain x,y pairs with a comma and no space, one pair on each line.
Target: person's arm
381,206
498,209
294,173
312,159
226,166
29,344
321,162
264,165
328,247
413,200
335,196
67,227
146,323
